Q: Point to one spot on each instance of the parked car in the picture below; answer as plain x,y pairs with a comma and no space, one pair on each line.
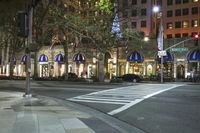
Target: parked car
131,78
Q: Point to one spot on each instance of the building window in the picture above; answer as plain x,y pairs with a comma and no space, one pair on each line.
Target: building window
134,13
143,12
169,13
185,35
125,14
185,1
178,1
134,24
143,23
178,24
169,2
143,1
178,12
185,11
134,2
178,35
125,3
194,10
185,24
169,36
194,23
195,0
169,25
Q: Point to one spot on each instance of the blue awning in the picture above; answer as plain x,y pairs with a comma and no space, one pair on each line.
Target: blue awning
167,58
194,55
24,59
135,57
60,58
43,58
78,58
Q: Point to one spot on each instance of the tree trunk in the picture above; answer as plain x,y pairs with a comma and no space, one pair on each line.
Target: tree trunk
65,46
101,73
35,66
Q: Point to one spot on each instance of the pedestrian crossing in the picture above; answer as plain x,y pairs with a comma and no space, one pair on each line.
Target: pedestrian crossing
124,96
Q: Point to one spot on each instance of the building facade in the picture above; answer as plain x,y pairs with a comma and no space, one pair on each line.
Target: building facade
180,21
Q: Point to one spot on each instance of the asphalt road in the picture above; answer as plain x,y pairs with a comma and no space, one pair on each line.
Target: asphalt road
172,110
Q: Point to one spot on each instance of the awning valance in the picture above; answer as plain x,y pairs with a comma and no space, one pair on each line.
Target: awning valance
79,58
43,58
135,57
60,58
194,55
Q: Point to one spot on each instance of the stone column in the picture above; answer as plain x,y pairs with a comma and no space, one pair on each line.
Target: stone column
101,72
175,70
186,68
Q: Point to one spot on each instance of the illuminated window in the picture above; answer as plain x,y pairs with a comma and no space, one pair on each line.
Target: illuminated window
194,23
185,24
195,0
169,25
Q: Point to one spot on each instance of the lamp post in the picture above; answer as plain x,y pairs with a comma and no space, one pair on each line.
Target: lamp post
156,10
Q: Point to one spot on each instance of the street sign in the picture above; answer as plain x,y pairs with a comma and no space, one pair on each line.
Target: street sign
162,53
178,49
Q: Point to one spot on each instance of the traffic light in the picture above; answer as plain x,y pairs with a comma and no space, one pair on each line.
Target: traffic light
22,23
196,39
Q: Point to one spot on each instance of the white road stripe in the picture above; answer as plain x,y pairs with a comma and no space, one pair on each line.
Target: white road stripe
126,96
125,107
89,101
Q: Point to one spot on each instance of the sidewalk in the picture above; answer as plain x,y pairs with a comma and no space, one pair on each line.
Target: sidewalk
44,115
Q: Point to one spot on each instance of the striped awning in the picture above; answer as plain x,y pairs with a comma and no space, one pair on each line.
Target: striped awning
79,58
167,58
60,58
43,58
24,59
135,57
194,55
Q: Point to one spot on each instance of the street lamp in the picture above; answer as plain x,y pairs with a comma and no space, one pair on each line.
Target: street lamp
156,10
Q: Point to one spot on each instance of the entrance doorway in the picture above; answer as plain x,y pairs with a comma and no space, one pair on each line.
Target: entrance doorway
180,72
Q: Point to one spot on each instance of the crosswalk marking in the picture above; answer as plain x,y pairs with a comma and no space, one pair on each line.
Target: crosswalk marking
125,96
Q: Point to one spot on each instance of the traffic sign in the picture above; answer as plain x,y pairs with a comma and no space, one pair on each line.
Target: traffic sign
178,49
162,53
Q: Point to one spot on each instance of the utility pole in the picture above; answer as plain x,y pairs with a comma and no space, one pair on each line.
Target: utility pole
28,56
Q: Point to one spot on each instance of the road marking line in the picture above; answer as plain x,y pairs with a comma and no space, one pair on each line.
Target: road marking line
102,99
125,107
89,101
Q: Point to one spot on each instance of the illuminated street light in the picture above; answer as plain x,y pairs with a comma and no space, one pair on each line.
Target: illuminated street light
146,39
156,9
